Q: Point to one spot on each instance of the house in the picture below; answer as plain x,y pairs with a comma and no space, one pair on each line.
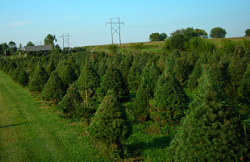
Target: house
43,48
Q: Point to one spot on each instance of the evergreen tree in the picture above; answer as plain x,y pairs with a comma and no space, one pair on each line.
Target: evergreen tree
236,70
54,89
170,101
244,89
11,71
4,69
151,74
71,102
181,69
39,79
68,76
113,80
211,130
12,64
217,75
141,103
88,82
102,68
124,67
31,66
110,124
23,78
51,67
15,74
134,77
196,73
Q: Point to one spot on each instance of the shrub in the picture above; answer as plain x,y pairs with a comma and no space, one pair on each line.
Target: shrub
211,130
110,124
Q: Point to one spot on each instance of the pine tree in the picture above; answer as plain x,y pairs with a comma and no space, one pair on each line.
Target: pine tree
88,82
68,76
211,130
12,64
23,78
39,79
110,124
134,77
124,67
16,73
113,80
51,67
4,69
236,70
181,68
71,102
170,101
151,74
11,71
54,89
244,89
141,103
102,68
196,73
217,75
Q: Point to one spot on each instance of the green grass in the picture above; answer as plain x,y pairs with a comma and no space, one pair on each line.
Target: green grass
30,131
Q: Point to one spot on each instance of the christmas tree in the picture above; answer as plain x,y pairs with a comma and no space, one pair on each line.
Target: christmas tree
110,124
211,130
39,79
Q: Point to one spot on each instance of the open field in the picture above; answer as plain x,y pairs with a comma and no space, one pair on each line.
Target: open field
30,131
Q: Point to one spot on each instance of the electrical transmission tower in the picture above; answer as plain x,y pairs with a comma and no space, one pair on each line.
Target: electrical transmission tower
39,43
66,40
116,30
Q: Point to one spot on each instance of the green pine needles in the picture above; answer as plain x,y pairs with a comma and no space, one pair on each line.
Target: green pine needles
39,79
211,130
113,80
170,101
110,124
54,89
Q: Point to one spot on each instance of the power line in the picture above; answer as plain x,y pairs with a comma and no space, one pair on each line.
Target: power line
204,19
115,29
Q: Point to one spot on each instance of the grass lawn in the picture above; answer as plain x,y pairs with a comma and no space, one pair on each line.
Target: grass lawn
31,131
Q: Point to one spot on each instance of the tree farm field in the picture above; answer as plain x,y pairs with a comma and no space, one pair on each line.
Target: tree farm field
31,131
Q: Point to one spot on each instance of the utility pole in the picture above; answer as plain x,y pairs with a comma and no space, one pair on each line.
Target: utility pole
67,39
116,30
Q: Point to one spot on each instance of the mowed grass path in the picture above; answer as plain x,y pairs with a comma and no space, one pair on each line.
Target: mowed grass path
30,133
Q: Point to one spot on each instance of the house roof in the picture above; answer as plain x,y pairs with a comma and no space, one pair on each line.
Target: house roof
37,48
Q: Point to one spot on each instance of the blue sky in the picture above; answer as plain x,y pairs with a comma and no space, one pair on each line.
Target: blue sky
26,20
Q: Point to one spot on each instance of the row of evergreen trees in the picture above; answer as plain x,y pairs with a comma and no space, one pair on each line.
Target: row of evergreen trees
95,85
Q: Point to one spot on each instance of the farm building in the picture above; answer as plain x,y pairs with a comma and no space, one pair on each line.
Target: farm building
43,48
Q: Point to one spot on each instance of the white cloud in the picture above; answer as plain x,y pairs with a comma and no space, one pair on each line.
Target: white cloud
70,17
20,23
